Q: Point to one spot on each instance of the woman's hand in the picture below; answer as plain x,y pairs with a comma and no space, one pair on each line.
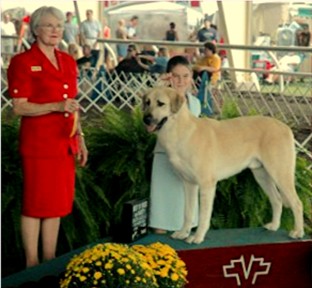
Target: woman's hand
82,155
69,105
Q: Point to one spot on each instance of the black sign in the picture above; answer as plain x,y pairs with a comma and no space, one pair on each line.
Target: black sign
133,221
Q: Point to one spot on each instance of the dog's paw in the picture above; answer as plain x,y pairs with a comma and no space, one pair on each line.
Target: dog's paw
271,226
193,239
296,234
180,234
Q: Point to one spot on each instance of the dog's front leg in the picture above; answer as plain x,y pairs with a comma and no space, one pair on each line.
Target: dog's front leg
191,197
207,195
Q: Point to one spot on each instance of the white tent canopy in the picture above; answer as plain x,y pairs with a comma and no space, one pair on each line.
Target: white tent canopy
154,18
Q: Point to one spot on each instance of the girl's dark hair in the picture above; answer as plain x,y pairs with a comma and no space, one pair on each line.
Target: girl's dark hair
210,46
178,60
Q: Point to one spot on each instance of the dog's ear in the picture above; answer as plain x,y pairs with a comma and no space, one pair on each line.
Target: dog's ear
143,103
177,101
142,94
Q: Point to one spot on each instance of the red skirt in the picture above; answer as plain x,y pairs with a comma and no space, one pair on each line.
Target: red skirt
49,185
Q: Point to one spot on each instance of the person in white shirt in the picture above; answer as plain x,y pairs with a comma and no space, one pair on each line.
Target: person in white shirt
90,30
7,45
132,32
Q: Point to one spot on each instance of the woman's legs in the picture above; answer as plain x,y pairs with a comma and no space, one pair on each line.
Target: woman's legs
49,233
30,235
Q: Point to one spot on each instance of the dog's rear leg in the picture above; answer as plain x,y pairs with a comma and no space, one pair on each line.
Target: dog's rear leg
206,197
191,197
291,197
285,181
268,186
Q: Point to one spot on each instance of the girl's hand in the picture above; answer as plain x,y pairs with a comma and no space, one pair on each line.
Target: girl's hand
165,80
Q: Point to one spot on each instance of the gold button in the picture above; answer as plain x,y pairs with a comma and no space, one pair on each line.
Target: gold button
65,96
66,114
65,86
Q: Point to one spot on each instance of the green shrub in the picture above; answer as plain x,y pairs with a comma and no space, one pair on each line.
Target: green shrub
121,152
11,196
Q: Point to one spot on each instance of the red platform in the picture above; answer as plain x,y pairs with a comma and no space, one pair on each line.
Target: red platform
228,258
282,265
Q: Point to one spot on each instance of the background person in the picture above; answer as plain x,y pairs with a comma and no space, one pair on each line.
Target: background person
43,84
74,50
131,63
121,33
158,63
192,52
106,35
87,63
207,33
132,28
71,30
90,30
167,191
172,34
106,30
89,58
7,45
210,62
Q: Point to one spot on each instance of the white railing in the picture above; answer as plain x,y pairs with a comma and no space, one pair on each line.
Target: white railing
292,104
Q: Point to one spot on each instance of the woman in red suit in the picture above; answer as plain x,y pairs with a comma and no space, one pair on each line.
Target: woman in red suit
43,85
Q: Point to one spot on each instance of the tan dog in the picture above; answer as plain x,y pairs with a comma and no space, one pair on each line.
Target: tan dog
204,151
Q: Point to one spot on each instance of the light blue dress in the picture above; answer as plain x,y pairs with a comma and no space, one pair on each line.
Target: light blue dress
167,192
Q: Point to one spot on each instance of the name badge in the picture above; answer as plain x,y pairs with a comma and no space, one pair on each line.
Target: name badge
36,68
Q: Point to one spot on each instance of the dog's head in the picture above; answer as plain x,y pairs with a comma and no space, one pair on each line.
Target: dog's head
159,104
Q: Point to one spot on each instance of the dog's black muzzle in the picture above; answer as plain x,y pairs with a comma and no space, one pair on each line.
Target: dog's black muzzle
151,125
148,119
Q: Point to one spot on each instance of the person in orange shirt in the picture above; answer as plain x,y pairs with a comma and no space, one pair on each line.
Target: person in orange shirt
43,84
210,62
106,30
106,35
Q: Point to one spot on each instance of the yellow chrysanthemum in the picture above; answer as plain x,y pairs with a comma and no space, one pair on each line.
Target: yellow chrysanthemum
121,271
98,263
155,265
174,277
108,266
82,278
97,275
85,269
164,273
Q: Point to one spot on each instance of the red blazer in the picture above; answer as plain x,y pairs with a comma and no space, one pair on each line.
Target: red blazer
31,75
